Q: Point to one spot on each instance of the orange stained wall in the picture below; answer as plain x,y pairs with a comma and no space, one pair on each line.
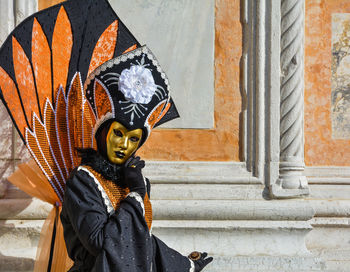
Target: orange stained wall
320,148
222,142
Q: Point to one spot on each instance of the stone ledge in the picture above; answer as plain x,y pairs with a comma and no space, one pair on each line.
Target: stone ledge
16,235
335,260
234,238
199,172
220,225
331,208
265,264
329,192
232,210
328,175
330,222
30,208
206,192
15,264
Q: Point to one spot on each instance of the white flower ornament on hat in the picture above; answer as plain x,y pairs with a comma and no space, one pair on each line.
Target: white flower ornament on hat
137,84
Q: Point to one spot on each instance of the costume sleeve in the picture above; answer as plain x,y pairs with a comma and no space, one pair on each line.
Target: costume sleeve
168,259
120,241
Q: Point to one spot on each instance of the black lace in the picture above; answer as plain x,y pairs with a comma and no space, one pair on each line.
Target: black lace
101,165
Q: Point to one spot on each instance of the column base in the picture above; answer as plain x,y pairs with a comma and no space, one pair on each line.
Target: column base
277,191
291,181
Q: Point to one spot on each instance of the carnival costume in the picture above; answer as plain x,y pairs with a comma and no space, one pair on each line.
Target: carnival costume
66,74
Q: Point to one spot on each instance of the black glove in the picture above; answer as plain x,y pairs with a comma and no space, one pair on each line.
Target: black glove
200,261
133,175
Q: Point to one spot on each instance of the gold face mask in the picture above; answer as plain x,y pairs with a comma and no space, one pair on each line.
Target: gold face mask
121,142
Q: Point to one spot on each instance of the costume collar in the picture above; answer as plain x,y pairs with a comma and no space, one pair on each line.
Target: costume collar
101,165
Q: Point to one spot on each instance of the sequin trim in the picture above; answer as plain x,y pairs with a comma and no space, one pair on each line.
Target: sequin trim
39,163
33,134
56,127
104,195
138,198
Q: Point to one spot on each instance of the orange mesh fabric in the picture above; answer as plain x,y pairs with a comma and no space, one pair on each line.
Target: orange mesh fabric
164,112
102,101
9,91
41,59
152,120
75,109
148,211
62,43
25,80
88,123
51,132
58,178
104,49
130,48
116,194
38,156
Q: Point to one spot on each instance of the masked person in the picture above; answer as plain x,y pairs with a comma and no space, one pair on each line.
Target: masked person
119,240
84,137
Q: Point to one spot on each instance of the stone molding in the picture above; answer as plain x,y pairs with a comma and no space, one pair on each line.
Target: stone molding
208,210
272,66
171,172
332,175
236,238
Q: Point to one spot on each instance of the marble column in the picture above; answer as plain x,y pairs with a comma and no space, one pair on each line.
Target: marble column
292,98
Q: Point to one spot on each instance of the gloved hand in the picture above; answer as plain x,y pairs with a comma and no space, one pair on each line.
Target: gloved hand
133,175
200,261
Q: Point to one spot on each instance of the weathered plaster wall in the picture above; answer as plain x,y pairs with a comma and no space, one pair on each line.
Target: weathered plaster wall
320,148
222,142
184,45
340,76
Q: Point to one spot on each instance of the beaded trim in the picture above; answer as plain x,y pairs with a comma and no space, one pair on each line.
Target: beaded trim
104,195
146,124
104,118
123,58
138,198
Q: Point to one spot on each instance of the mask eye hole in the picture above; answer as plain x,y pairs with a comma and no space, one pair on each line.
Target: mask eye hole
117,132
134,139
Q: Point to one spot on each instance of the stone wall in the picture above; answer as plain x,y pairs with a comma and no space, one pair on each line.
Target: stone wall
221,141
240,190
323,146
